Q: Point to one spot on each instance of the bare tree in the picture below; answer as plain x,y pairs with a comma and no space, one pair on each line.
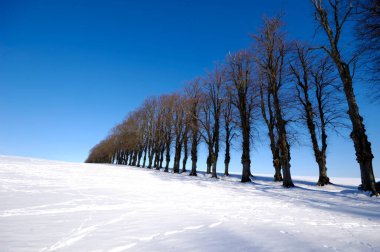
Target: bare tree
243,95
210,114
139,128
149,110
270,53
229,126
127,136
119,145
179,128
169,105
332,19
208,160
319,98
102,152
267,111
193,94
186,142
159,145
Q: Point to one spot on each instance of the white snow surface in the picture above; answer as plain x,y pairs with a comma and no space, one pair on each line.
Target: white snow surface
61,206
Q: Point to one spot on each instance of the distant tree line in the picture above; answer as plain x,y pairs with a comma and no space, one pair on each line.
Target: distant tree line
276,83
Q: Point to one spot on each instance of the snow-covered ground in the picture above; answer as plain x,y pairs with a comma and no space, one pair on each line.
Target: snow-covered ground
59,206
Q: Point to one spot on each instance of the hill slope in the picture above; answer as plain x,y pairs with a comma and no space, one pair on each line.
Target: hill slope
59,206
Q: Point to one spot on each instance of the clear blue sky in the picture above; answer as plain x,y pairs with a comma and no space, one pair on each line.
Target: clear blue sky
70,70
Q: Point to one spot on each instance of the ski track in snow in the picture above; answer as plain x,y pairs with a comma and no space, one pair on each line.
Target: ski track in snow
60,206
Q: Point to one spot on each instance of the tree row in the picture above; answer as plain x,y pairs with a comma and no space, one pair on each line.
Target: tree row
283,87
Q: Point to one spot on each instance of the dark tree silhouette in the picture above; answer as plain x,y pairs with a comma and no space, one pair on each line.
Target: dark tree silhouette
332,18
179,128
193,95
243,95
270,55
229,126
319,96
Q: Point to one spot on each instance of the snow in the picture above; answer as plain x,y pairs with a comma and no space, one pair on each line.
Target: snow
60,206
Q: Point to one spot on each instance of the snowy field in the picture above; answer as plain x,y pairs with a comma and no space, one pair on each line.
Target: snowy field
59,206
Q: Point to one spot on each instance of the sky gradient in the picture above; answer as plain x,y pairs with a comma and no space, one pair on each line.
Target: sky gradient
71,70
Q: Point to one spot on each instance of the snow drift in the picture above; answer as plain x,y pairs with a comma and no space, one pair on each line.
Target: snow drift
60,206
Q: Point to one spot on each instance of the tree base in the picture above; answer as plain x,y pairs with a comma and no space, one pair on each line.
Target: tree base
322,181
287,184
277,178
245,179
377,188
193,174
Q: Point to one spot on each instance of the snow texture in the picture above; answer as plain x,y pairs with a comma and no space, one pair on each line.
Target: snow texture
60,206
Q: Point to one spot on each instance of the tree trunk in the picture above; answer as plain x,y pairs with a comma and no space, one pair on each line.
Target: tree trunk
194,153
246,171
139,158
157,160
227,157
214,160
130,158
167,157
134,158
185,154
216,144
320,155
287,182
270,122
209,162
277,168
162,156
245,159
276,159
358,135
283,142
362,146
145,153
150,157
323,178
226,165
177,157
124,157
119,157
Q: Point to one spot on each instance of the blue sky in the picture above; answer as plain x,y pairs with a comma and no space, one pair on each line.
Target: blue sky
71,70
